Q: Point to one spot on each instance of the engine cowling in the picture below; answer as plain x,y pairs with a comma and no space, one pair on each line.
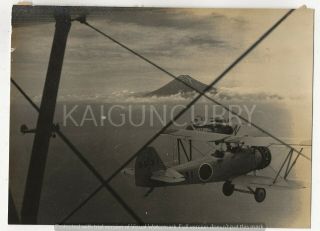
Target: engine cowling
263,157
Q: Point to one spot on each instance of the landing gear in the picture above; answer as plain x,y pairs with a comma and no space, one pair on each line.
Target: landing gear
259,194
228,189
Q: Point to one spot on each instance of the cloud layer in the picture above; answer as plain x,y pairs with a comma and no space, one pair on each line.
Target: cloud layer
197,42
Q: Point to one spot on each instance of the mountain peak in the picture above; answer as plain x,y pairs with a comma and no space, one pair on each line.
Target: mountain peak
175,87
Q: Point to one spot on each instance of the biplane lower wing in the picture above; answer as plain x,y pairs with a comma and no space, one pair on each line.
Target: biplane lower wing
263,181
168,176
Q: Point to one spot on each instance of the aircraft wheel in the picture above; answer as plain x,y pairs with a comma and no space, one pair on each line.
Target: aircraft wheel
227,189
260,194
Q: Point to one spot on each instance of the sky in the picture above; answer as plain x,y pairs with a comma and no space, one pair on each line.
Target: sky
197,42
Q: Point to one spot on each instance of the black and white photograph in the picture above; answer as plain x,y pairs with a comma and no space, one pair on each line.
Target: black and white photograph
161,116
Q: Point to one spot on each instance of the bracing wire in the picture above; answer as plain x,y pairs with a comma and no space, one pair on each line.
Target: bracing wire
201,93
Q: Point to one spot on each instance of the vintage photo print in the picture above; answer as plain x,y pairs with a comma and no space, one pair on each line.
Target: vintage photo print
161,116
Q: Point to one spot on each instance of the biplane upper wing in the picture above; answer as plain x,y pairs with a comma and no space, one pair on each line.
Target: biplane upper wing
168,175
197,135
293,142
248,140
263,181
268,141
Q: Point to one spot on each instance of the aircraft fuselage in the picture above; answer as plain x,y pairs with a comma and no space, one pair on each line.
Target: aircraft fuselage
215,168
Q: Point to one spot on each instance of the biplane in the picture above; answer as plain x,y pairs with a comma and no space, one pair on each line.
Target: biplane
234,160
216,125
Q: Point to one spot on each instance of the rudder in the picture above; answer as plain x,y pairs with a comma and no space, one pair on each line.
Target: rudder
147,162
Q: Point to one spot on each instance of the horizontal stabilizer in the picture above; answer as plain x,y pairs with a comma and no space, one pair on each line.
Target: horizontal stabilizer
168,176
128,171
262,181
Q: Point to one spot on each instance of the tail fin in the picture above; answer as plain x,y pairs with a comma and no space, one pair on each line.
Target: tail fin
147,162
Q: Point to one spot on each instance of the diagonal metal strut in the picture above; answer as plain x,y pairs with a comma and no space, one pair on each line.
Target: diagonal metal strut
83,159
35,175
